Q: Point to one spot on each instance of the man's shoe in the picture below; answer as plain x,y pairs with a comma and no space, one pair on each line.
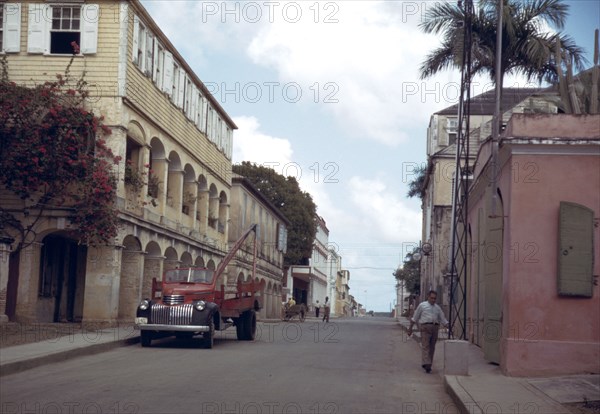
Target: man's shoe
428,370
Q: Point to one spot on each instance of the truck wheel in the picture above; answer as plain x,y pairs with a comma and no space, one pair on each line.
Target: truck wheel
208,338
146,338
239,327
250,325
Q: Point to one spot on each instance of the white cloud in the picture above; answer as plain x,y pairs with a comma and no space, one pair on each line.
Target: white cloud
371,55
385,215
250,144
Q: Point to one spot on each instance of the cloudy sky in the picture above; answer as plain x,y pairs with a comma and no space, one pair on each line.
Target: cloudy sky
329,92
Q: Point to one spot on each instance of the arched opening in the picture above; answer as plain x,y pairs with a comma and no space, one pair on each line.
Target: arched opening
61,279
131,278
153,263
186,260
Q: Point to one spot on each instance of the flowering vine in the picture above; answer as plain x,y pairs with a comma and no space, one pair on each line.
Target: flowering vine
53,157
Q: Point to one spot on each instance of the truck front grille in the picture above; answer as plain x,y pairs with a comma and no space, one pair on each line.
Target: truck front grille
171,315
173,299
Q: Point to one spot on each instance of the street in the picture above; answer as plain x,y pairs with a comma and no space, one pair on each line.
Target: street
360,365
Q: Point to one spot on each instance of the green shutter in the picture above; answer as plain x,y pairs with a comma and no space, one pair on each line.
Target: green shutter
575,250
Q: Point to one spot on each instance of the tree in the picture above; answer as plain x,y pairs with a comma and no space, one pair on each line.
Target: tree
526,48
53,158
410,273
416,186
295,204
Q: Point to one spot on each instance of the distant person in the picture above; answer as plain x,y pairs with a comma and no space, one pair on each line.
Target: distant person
428,317
326,309
317,309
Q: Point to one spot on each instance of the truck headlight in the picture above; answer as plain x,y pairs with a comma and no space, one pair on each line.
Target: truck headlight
200,305
144,305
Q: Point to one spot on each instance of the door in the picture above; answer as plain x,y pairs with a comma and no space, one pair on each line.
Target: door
492,257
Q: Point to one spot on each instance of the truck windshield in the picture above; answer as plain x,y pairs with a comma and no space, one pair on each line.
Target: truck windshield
189,275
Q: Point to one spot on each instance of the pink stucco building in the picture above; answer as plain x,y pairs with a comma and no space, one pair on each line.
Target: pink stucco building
534,232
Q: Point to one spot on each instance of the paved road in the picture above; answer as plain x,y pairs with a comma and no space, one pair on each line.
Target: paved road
363,365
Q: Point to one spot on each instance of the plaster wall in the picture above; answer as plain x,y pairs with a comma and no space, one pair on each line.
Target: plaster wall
544,333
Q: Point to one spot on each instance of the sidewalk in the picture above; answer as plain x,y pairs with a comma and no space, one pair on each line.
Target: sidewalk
55,346
487,390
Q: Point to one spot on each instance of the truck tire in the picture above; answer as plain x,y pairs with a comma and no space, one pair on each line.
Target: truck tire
208,338
246,326
250,325
239,328
146,338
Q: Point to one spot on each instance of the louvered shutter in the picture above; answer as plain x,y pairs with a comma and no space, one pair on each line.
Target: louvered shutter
89,28
37,33
12,27
575,251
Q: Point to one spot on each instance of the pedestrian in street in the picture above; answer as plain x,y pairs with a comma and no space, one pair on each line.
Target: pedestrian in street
317,309
326,309
428,317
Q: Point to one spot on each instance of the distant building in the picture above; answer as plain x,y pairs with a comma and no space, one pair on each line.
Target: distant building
308,283
249,206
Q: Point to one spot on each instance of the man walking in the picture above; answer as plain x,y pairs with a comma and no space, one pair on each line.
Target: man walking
428,317
326,309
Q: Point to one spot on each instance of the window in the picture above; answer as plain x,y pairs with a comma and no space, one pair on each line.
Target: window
52,28
66,25
451,138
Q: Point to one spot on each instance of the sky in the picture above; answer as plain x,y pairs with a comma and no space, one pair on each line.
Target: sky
329,92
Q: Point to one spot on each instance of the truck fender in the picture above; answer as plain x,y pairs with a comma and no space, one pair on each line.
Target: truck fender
210,311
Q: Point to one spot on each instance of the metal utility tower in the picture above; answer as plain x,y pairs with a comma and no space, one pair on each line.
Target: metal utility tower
460,196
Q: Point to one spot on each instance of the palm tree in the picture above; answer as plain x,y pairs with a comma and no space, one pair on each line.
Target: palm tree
526,48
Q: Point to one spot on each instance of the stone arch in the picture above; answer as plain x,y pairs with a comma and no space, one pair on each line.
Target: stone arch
213,206
186,259
190,191
199,262
136,132
223,212
153,265
130,280
157,173
171,259
174,181
202,203
211,265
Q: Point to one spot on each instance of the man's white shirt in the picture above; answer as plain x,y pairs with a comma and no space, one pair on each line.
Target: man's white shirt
428,313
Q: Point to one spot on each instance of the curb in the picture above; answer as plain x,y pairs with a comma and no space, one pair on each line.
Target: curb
24,365
460,397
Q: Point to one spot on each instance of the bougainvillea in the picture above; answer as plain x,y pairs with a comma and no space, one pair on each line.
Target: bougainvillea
53,157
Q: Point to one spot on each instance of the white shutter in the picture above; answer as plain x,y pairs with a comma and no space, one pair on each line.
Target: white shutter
199,122
155,61
181,88
168,73
194,108
12,27
89,28
37,33
136,39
